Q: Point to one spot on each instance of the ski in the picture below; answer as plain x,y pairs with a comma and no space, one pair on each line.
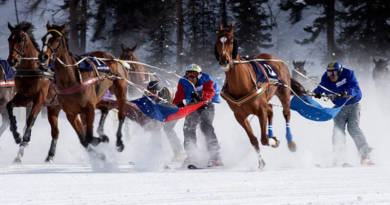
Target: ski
191,166
344,165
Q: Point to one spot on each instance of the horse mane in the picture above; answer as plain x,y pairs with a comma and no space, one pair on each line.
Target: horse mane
65,35
27,27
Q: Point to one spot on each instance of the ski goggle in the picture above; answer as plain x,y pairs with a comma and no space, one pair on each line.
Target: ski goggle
332,73
191,74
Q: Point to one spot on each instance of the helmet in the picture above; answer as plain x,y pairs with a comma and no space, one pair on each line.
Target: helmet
334,66
193,67
154,85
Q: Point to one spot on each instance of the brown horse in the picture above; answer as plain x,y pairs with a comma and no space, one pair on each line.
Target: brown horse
33,85
138,73
240,83
7,92
81,91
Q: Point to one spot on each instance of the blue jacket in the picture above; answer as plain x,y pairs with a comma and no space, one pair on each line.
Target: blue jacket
188,89
346,82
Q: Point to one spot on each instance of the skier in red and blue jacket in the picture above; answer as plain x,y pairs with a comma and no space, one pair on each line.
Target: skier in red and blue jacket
206,89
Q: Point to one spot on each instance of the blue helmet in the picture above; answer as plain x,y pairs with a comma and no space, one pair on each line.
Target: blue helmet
334,66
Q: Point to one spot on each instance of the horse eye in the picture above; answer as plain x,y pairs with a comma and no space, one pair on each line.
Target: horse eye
57,40
231,43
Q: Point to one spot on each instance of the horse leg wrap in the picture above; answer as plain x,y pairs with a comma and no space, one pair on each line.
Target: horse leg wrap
288,132
270,131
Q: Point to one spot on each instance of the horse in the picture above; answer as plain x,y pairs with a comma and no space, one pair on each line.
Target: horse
138,74
308,82
253,100
33,85
79,92
381,77
7,92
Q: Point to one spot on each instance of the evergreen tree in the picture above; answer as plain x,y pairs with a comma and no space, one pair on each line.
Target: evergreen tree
366,29
324,23
252,27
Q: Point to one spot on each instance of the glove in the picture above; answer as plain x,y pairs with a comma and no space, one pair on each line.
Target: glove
180,104
341,94
317,95
196,96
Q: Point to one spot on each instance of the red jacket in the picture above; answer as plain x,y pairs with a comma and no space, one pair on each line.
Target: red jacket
208,92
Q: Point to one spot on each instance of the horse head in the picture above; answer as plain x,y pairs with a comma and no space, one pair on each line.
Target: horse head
20,43
128,53
138,73
226,48
53,42
300,66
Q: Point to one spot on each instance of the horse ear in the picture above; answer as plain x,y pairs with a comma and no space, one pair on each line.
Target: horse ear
123,47
294,63
231,28
235,49
304,62
135,47
11,28
48,26
375,61
216,52
220,27
63,27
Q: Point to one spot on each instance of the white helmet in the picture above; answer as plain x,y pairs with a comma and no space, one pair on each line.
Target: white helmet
194,67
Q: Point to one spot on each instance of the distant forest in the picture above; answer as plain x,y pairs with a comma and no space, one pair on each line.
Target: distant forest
178,32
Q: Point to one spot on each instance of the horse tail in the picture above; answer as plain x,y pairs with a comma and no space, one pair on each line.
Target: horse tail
297,88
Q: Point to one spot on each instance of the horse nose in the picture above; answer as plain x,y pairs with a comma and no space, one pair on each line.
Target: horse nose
45,56
226,61
14,61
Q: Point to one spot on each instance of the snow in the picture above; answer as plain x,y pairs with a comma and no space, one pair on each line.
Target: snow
288,178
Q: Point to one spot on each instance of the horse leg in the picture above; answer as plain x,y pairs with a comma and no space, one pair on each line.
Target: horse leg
284,97
79,128
52,114
244,122
36,108
103,106
5,123
120,94
273,141
15,102
89,118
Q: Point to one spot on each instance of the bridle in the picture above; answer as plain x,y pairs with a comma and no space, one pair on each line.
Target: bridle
24,40
223,39
53,51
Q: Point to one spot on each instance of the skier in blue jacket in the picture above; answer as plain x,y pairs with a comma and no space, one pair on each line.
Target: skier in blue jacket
343,82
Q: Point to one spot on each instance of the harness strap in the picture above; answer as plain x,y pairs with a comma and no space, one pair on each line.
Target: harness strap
52,100
2,69
33,73
247,98
77,87
8,83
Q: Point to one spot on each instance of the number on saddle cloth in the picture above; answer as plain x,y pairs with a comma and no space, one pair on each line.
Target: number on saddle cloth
270,71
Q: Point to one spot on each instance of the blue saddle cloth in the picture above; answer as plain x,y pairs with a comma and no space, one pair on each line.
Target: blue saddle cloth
9,72
270,71
100,65
315,112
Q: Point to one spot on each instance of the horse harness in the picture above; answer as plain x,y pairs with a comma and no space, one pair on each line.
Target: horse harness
256,92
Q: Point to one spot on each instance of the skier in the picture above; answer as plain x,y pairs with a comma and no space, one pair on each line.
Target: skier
206,89
343,82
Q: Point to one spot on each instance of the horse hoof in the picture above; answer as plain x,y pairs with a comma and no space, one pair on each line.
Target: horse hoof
277,142
292,146
261,164
49,160
18,140
120,147
95,141
17,161
104,139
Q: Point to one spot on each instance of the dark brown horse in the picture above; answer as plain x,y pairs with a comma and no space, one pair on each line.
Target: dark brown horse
309,82
240,82
7,92
33,85
81,91
381,77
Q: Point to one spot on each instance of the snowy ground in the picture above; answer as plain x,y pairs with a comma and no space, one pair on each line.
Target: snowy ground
289,178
